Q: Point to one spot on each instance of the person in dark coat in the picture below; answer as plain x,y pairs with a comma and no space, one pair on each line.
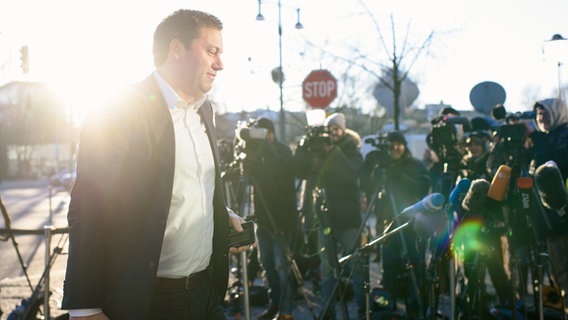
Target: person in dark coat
550,143
398,182
148,225
269,166
333,172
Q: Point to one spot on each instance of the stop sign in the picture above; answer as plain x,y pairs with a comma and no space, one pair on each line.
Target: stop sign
319,88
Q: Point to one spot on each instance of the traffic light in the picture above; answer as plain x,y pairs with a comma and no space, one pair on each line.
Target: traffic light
24,56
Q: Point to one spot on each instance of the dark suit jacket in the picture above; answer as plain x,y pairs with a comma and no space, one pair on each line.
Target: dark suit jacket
120,204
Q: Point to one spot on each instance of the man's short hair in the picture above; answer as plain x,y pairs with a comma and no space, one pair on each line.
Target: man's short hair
183,24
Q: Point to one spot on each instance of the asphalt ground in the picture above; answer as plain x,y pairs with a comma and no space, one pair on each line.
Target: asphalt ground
15,288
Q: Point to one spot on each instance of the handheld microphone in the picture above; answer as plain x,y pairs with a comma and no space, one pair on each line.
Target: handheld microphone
429,204
424,222
551,187
459,192
475,199
525,185
500,183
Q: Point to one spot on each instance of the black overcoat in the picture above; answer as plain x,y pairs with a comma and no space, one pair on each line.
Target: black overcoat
120,204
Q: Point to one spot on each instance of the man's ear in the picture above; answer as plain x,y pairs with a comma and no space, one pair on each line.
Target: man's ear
176,49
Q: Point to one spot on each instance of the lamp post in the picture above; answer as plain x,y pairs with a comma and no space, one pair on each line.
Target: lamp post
557,49
278,73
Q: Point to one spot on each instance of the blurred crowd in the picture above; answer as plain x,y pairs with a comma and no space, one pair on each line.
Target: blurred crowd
503,184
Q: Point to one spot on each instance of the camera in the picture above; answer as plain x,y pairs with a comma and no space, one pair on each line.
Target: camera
510,145
381,155
315,140
248,140
445,137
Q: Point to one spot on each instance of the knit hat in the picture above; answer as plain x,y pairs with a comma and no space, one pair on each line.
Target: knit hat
337,119
264,123
449,110
396,136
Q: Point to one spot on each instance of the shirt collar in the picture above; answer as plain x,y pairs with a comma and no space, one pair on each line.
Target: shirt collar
173,100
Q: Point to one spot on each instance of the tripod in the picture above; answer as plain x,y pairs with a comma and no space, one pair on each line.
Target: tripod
249,190
327,240
30,308
442,266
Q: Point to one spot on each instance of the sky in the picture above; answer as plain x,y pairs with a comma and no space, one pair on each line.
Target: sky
84,48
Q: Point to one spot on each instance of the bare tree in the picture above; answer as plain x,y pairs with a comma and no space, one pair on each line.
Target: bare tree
401,59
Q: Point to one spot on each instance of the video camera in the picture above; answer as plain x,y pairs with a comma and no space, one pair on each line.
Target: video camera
500,113
315,140
248,140
381,155
511,136
447,133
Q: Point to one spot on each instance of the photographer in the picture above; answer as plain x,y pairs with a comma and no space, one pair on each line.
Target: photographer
551,143
268,163
445,150
331,164
406,181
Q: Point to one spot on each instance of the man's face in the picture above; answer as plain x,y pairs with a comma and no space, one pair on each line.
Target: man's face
397,150
336,132
475,148
543,119
200,62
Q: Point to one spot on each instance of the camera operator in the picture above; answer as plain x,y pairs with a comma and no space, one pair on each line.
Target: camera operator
332,163
550,142
474,167
407,181
269,163
474,162
445,149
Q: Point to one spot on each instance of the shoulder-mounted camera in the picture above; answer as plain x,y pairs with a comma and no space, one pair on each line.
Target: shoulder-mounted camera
381,154
248,139
315,140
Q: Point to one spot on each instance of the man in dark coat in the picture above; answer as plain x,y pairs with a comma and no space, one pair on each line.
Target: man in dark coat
551,144
399,182
148,224
269,166
334,171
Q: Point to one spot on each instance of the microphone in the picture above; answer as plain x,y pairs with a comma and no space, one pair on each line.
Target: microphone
476,198
424,222
551,187
500,183
459,192
483,197
525,185
429,204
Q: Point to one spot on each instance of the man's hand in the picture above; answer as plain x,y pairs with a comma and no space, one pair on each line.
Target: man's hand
236,222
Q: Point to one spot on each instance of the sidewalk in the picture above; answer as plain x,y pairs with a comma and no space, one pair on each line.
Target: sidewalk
19,184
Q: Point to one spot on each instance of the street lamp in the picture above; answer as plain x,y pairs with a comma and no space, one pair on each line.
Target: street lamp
278,73
557,50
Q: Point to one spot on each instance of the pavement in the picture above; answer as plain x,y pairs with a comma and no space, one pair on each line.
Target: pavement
15,288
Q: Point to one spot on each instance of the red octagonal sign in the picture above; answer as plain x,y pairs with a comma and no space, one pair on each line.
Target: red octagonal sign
319,88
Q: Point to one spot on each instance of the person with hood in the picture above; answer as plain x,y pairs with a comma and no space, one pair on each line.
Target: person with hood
550,142
336,175
405,181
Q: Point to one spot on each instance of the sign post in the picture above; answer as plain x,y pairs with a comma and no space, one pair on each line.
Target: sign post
319,88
